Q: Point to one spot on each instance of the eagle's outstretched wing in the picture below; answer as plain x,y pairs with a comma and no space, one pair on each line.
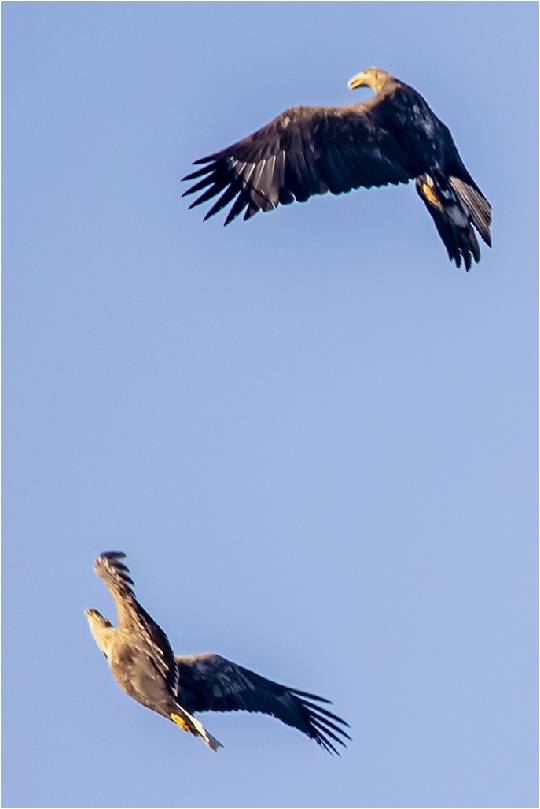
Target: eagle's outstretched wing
303,152
209,682
143,631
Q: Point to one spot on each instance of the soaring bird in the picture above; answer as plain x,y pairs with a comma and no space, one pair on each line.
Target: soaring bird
144,666
392,137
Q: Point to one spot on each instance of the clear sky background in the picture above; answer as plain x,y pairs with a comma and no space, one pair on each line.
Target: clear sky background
314,437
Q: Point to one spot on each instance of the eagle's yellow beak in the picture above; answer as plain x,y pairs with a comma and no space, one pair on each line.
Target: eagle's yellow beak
357,81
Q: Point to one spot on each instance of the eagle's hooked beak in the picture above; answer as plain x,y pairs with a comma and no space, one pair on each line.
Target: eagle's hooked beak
358,80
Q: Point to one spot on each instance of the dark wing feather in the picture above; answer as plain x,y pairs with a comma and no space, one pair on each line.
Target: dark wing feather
303,152
477,205
209,682
143,632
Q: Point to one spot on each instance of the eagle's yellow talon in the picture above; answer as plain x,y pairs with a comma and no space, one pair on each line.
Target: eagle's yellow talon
430,196
178,720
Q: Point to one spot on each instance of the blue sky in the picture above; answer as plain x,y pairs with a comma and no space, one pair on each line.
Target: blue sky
314,437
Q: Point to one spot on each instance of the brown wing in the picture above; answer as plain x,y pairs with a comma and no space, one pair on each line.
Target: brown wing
302,152
209,682
134,622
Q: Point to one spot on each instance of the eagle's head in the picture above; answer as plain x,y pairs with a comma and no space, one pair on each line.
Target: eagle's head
102,630
372,77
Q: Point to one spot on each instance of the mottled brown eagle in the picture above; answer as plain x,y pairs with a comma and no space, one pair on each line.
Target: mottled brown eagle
144,666
392,137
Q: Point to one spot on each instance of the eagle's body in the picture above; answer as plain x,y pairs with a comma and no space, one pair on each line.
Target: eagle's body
391,138
138,651
144,666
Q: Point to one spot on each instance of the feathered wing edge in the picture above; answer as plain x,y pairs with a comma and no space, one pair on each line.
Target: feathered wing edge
477,205
114,573
322,721
209,682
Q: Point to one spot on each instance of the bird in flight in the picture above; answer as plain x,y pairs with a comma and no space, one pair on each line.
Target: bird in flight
392,137
145,667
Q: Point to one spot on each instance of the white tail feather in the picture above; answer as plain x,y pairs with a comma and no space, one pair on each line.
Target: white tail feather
210,740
